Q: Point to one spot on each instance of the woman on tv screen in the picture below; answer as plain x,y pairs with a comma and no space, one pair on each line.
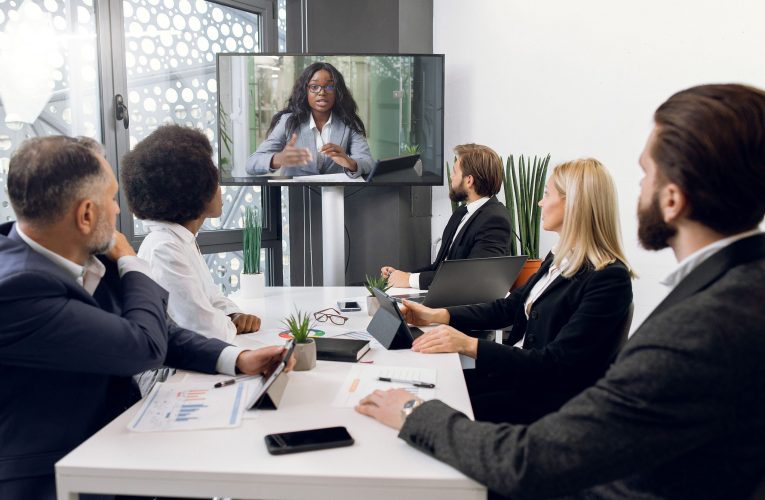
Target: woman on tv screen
318,132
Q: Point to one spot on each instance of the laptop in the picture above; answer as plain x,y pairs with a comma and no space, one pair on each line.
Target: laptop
470,281
393,169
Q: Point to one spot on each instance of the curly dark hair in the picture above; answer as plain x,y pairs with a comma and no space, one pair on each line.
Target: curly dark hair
345,107
170,175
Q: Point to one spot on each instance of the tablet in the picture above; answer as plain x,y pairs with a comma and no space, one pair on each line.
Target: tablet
257,396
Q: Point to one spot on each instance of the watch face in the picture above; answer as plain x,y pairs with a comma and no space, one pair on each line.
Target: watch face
410,404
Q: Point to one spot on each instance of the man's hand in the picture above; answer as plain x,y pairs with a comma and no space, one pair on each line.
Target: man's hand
245,323
399,279
338,156
386,406
262,361
420,315
119,248
291,155
386,270
445,338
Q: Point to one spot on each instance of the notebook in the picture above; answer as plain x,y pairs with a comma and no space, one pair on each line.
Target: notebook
333,349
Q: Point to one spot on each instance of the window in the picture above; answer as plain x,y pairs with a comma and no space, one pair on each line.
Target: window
163,63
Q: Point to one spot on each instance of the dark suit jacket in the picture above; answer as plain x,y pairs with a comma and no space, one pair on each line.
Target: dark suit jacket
66,358
680,414
573,330
485,234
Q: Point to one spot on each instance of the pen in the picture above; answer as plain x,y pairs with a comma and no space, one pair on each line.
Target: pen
416,383
224,383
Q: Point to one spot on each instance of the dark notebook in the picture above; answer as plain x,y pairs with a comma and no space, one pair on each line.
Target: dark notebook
329,349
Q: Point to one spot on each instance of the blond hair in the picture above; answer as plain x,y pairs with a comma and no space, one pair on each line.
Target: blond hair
591,235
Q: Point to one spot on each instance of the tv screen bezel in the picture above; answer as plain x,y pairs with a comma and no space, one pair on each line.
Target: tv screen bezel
275,181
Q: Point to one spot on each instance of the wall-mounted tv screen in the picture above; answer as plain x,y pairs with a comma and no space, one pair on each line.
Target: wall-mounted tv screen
331,119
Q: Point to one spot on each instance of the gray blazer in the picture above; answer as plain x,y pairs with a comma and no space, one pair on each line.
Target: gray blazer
354,144
680,414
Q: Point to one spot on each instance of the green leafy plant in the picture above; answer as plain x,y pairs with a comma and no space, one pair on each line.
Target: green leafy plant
411,149
524,187
225,140
376,282
299,326
253,228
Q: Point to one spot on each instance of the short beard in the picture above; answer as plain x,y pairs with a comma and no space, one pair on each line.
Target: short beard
459,195
653,232
103,237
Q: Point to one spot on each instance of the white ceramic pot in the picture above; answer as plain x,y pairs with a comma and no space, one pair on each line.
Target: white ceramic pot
373,304
252,286
305,356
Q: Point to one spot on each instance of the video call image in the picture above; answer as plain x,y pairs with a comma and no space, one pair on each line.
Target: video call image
331,119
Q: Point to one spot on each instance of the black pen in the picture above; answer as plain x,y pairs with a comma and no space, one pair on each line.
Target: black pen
416,383
231,381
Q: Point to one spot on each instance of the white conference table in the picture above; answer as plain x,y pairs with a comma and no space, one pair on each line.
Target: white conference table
235,463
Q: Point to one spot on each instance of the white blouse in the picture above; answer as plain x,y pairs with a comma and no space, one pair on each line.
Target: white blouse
195,303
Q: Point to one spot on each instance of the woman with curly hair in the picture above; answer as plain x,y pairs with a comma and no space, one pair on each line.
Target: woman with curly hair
319,132
171,183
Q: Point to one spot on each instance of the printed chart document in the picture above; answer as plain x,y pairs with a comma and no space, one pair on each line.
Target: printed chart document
362,380
178,407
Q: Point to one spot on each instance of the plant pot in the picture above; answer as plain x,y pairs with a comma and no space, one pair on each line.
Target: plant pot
252,286
529,269
373,304
305,356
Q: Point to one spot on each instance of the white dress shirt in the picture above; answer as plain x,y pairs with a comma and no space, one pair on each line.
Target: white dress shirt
321,138
414,278
195,302
692,261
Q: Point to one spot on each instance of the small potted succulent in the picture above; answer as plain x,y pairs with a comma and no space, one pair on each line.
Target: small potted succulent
299,326
252,281
381,284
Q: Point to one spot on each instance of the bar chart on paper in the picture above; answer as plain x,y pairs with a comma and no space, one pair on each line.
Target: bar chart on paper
175,407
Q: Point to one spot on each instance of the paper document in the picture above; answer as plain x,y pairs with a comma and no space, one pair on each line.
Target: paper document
177,407
362,380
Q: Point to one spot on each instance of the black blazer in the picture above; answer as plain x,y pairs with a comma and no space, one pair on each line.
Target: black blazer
573,330
66,358
486,234
680,414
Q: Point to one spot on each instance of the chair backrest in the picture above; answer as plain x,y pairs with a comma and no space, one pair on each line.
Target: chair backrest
625,333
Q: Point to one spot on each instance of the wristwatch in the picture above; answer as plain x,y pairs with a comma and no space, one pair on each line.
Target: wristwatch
409,407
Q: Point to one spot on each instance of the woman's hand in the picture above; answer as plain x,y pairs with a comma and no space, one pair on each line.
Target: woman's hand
444,338
420,315
245,323
291,155
338,156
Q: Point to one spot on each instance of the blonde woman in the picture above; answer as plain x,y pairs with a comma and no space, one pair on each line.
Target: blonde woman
568,320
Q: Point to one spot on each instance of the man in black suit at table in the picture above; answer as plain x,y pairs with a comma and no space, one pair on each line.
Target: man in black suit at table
681,413
479,228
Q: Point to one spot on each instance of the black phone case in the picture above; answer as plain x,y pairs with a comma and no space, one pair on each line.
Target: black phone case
284,450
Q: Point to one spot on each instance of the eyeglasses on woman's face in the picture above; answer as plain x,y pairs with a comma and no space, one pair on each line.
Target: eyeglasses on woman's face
330,314
315,88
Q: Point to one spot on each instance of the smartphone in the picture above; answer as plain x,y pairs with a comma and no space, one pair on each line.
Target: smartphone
348,305
314,439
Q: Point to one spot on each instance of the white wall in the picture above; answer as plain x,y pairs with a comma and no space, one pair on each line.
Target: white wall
582,78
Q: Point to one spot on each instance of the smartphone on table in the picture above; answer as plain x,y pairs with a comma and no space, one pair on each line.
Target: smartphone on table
348,305
313,439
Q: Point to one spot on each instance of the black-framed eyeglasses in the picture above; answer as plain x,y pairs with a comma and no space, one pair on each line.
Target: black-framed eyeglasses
330,314
315,88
